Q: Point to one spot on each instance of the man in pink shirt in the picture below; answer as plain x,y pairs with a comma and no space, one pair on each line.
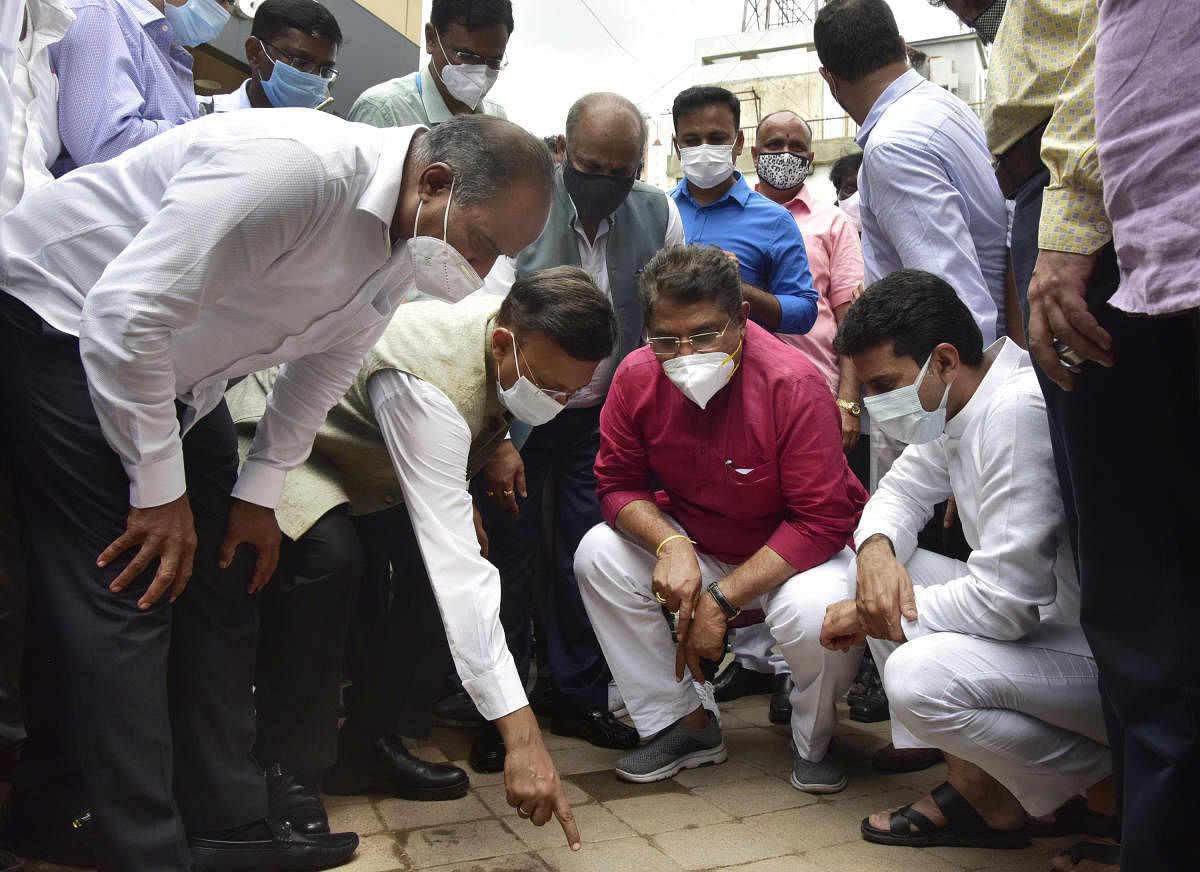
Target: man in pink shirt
783,157
723,484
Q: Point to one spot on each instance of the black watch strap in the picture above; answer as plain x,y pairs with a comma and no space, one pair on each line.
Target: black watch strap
725,605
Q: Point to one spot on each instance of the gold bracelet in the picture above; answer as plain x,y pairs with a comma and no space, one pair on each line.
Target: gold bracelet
658,550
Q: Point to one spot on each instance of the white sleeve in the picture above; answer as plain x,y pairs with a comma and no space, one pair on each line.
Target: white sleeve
675,233
1021,523
500,278
428,442
903,503
12,13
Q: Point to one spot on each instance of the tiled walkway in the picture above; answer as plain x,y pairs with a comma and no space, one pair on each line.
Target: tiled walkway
741,815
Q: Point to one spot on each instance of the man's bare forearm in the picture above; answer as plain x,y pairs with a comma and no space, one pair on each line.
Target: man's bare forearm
764,306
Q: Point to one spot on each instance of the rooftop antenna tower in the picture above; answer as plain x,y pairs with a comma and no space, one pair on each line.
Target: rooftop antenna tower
767,14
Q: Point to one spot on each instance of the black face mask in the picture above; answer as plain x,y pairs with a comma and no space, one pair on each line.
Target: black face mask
594,196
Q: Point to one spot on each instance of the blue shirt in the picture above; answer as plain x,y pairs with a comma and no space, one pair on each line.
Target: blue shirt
929,196
768,245
121,81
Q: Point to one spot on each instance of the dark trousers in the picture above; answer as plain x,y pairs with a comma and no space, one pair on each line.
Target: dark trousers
302,641
1124,446
155,705
12,614
564,448
398,654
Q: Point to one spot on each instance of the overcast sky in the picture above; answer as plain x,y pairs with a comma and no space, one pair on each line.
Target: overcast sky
643,49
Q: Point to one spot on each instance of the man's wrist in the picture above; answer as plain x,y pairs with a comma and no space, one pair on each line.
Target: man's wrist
727,608
876,540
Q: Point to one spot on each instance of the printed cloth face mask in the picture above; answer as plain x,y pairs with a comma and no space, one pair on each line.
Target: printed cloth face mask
524,399
700,376
289,86
782,171
706,166
438,269
197,21
467,83
899,413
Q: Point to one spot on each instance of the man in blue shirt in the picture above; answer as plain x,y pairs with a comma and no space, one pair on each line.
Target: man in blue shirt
718,208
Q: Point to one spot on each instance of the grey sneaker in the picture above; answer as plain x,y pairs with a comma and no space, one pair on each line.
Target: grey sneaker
676,748
826,775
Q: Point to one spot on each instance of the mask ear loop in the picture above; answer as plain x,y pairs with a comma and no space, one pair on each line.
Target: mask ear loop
730,356
446,216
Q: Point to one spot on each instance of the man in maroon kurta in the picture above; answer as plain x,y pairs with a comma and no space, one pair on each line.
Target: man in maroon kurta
723,484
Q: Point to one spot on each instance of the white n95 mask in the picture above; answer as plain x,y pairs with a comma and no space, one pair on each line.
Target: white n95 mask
899,413
438,269
524,399
706,166
468,83
700,376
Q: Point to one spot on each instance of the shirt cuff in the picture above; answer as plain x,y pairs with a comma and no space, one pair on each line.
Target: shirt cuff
796,314
802,550
259,484
1073,221
915,629
612,503
158,482
499,692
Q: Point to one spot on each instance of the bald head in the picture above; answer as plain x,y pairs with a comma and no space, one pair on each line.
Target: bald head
605,135
605,109
782,117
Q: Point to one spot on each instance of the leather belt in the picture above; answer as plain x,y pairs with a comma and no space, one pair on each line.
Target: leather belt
1021,162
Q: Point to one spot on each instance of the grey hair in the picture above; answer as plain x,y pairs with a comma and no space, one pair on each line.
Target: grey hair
487,155
607,100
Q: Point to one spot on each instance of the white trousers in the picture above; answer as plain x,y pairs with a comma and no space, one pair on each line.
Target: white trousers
1030,717
752,647
614,576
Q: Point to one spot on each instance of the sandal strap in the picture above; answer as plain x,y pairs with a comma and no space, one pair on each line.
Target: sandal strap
1102,826
960,815
902,820
1106,855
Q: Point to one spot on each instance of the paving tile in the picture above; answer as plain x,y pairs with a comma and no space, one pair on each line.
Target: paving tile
982,858
510,863
726,773
495,798
756,715
1003,860
620,855
786,863
478,779
454,742
755,796
604,786
760,747
658,814
717,845
557,743
454,843
360,818
404,814
379,854
875,798
860,855
586,758
595,822
808,828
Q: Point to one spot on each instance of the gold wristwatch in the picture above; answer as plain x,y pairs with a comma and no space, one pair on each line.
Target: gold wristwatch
854,409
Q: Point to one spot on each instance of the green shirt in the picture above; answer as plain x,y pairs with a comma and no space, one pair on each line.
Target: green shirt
400,102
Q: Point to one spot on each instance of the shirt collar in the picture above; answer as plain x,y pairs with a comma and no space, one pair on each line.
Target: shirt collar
145,13
435,107
52,20
897,89
802,199
739,192
383,190
1005,356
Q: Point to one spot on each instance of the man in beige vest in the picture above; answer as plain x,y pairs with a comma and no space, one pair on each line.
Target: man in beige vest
431,403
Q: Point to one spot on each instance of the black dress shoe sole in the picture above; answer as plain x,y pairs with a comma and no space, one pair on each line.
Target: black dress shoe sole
488,766
572,727
779,715
336,784
264,856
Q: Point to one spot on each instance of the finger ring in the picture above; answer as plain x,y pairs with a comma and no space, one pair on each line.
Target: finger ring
1067,354
521,811
662,599
508,493
490,493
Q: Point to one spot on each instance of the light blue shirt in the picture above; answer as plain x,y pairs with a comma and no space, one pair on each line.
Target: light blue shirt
121,80
768,245
929,197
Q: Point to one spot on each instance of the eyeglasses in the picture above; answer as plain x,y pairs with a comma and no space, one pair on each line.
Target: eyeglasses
668,346
560,397
469,57
328,72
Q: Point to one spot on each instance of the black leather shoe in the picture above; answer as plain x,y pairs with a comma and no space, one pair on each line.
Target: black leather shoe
781,702
871,707
737,681
284,851
487,751
384,765
293,799
49,826
598,727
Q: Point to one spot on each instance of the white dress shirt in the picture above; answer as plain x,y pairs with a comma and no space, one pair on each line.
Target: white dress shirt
231,102
33,142
995,458
593,258
429,441
216,249
11,16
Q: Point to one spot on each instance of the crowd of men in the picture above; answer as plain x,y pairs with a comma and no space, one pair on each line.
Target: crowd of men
317,427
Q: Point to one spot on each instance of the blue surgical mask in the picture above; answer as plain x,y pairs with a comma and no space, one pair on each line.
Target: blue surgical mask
197,21
288,86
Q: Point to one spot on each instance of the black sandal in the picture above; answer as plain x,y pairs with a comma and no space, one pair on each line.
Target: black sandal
1069,819
1099,826
964,827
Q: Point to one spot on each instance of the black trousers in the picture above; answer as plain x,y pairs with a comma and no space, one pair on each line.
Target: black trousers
302,641
398,654
155,705
564,448
1125,450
